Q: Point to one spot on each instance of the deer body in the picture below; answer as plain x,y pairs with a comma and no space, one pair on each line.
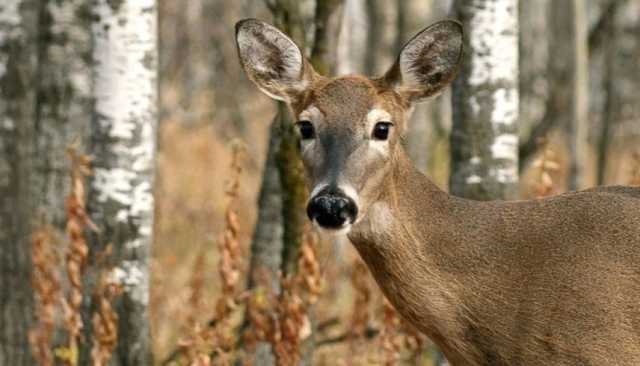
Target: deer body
554,281
545,282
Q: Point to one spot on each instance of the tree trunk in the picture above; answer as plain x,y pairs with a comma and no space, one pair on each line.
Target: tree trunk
353,39
123,143
267,243
570,21
611,102
18,75
374,35
484,136
63,100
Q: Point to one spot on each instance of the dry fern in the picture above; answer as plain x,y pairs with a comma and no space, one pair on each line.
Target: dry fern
46,286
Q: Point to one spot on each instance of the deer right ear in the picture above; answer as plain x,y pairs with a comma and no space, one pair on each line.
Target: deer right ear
272,60
428,62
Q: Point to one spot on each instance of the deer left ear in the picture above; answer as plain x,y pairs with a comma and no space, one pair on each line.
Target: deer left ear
272,60
428,62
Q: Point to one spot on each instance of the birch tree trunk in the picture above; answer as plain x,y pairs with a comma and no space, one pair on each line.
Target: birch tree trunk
123,142
18,74
484,136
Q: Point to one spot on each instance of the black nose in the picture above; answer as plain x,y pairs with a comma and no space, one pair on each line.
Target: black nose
332,209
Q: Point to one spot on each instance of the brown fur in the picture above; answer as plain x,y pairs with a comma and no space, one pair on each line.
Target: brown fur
554,281
544,282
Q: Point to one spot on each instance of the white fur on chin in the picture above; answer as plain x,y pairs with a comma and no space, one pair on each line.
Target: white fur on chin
344,230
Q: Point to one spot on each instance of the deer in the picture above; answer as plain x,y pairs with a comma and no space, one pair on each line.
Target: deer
551,281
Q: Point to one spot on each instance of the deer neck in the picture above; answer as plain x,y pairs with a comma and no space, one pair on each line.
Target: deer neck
408,240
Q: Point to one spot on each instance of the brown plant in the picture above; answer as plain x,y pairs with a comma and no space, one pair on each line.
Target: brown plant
635,170
390,338
362,300
414,341
46,286
217,338
261,316
546,165
105,319
300,292
230,265
196,345
76,258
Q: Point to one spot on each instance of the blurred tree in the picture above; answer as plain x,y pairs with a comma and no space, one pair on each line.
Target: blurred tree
63,101
608,33
353,39
484,135
63,105
533,78
18,74
570,63
123,143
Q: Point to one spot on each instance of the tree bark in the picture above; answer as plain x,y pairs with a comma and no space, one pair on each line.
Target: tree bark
63,100
484,136
353,39
123,143
374,36
570,21
18,75
611,103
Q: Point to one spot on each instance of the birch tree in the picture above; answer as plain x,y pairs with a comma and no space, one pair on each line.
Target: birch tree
123,142
484,136
18,72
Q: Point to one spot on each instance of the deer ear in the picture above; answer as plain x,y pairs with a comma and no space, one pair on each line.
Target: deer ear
428,62
272,60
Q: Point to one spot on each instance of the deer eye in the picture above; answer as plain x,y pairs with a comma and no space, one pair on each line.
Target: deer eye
381,130
306,130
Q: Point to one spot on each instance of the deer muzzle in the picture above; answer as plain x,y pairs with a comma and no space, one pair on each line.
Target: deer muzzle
332,209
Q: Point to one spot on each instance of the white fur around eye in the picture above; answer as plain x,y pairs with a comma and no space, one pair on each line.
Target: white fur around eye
379,146
374,116
313,115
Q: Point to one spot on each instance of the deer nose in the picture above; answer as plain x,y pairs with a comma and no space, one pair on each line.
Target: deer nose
332,210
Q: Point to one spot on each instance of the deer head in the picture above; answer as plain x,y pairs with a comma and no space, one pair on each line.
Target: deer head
350,127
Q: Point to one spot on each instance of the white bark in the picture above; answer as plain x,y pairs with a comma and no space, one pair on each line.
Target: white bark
484,139
124,144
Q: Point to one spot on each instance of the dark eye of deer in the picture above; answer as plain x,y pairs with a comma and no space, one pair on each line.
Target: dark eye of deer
306,130
381,130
